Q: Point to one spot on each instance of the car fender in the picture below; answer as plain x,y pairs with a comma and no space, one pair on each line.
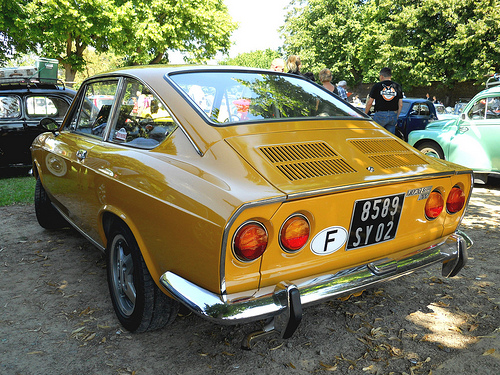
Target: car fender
107,214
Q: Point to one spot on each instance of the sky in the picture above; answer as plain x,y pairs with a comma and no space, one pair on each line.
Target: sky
259,21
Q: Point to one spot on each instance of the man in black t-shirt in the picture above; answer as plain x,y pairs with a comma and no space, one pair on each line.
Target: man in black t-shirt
388,97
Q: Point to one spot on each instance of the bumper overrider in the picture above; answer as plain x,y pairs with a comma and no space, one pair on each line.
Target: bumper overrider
283,303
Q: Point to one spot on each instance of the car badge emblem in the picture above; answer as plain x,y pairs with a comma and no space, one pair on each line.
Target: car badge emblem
370,169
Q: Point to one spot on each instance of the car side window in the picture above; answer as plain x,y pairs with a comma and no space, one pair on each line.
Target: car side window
43,106
478,110
91,118
493,108
421,109
142,119
10,107
485,109
424,110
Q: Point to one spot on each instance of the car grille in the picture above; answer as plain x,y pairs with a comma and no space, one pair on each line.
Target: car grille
388,153
306,160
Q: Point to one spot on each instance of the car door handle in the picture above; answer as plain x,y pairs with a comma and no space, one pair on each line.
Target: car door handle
81,154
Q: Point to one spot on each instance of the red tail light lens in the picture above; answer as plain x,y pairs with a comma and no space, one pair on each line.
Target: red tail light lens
434,205
294,233
456,200
250,241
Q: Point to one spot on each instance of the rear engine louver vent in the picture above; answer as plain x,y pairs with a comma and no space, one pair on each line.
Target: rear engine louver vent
388,153
306,160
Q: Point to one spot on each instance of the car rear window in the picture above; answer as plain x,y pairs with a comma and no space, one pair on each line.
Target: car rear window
10,107
234,97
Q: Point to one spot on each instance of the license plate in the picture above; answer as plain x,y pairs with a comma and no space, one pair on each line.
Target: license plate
375,220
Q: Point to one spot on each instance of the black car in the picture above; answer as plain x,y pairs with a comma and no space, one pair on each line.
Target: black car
23,103
415,115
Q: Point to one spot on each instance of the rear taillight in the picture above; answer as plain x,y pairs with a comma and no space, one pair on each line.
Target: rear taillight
456,200
294,233
250,241
434,205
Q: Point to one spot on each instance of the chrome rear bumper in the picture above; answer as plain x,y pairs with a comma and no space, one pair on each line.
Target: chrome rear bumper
283,298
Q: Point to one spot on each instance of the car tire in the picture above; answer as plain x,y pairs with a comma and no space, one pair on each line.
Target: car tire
138,302
431,149
46,214
481,178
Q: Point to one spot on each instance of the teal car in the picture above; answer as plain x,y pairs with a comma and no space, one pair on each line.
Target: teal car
472,139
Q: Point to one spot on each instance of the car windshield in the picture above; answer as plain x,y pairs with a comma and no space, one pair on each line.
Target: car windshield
406,107
234,97
440,109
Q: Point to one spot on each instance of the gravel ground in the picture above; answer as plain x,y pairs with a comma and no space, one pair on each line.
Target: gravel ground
56,316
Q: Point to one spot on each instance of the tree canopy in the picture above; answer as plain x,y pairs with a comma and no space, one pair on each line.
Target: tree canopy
141,31
255,59
422,41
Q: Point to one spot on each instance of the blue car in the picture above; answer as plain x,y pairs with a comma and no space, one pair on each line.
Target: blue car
415,115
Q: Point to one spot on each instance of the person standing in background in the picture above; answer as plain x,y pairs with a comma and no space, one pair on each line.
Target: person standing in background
278,65
293,64
325,77
342,88
388,97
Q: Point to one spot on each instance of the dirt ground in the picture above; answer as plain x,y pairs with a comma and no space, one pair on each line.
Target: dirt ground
56,316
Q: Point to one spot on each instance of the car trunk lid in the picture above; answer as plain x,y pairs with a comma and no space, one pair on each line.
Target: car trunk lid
324,159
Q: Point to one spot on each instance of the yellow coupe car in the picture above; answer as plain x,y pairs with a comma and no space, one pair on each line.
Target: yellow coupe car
243,194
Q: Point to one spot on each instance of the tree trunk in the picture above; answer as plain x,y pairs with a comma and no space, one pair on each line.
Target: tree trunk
69,75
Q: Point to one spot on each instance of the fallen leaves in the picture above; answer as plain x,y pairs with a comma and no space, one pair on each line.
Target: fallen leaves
329,367
489,352
82,334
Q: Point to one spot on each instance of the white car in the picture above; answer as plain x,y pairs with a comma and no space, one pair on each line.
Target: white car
442,112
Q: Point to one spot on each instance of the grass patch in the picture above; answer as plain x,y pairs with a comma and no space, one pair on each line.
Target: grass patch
17,190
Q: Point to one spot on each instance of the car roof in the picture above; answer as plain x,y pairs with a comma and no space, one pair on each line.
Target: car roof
23,86
493,89
418,100
153,72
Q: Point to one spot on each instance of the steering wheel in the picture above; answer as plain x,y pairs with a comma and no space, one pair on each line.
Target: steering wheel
99,125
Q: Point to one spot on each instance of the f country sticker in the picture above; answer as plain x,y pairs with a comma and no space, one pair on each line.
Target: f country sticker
329,240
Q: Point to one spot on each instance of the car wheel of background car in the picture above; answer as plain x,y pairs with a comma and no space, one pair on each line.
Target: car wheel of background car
139,304
481,178
431,149
48,217
400,134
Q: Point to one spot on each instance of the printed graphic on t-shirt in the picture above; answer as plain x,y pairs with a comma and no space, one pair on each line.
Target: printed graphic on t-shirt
388,92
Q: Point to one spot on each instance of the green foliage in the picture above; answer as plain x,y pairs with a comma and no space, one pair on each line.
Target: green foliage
141,31
9,9
256,59
17,190
97,63
448,41
201,28
422,41
327,33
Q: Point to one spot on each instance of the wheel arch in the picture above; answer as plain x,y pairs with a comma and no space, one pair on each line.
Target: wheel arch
34,170
112,217
431,141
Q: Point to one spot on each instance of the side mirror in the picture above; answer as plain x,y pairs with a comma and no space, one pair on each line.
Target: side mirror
48,124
